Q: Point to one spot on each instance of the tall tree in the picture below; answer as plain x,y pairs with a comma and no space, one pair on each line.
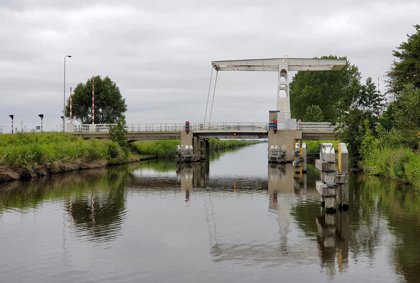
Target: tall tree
331,91
109,103
403,116
407,69
360,118
370,100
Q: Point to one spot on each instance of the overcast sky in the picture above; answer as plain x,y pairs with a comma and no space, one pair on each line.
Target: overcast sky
159,52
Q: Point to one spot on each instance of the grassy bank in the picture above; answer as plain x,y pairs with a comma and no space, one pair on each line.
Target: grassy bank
37,149
313,145
167,149
401,164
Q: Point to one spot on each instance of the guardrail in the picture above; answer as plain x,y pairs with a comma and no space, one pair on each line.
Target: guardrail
197,127
317,127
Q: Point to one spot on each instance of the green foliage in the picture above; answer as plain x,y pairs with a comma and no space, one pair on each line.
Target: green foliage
167,149
160,149
359,122
370,100
217,144
109,103
369,142
400,164
351,131
404,116
118,134
407,69
331,91
30,150
313,113
312,146
390,142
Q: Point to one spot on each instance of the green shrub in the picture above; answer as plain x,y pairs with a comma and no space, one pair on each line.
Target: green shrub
401,164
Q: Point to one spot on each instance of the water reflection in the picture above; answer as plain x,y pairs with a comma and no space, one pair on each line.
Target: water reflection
100,214
333,240
93,199
284,179
266,222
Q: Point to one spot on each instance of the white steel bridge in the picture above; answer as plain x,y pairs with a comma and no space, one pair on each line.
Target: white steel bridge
232,130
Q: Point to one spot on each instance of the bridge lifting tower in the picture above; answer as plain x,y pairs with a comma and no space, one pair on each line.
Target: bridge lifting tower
287,132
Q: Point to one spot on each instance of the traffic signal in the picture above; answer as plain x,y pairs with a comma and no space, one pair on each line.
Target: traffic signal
187,126
275,126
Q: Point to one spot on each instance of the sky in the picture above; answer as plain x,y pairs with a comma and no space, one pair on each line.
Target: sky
159,52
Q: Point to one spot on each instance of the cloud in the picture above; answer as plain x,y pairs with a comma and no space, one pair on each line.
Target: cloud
159,52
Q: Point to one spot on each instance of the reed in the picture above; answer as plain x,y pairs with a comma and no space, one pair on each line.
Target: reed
33,149
167,149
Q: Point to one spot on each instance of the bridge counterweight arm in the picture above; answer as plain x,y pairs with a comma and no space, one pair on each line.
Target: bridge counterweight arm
272,64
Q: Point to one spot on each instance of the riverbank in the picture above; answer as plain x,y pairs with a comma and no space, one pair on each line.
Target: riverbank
167,149
24,156
399,164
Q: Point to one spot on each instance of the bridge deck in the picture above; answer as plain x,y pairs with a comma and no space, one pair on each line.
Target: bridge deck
310,130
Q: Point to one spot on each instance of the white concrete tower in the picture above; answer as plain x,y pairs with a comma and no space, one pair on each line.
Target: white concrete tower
283,99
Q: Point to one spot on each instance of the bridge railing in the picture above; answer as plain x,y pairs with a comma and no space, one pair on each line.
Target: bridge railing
221,126
317,127
132,128
232,126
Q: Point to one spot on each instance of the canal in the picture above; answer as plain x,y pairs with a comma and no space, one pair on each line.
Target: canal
232,219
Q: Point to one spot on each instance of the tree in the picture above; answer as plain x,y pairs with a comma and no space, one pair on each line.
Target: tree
118,134
358,123
407,69
403,115
331,91
109,103
313,113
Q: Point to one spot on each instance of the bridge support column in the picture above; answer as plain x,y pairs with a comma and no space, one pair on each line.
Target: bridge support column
192,148
185,151
284,139
204,149
281,141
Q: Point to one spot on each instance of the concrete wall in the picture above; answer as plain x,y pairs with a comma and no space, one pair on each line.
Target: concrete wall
186,138
200,145
284,137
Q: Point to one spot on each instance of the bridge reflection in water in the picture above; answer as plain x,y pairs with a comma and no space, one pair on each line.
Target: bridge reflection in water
287,192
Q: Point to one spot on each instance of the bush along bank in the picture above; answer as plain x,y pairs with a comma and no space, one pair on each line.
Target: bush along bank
401,164
39,154
167,149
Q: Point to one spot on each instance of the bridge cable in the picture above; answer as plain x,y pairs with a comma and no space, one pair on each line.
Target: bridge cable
214,92
208,96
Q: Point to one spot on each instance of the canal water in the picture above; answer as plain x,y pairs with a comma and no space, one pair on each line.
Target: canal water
232,219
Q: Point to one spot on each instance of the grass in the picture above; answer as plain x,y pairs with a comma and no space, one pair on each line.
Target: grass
401,164
32,149
160,149
313,145
167,149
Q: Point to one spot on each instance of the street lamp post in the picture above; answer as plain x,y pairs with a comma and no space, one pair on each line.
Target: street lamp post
42,118
64,100
12,117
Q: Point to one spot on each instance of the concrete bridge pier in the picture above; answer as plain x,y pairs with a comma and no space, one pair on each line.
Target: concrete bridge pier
193,148
281,138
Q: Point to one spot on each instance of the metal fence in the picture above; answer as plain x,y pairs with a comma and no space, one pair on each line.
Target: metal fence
197,127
